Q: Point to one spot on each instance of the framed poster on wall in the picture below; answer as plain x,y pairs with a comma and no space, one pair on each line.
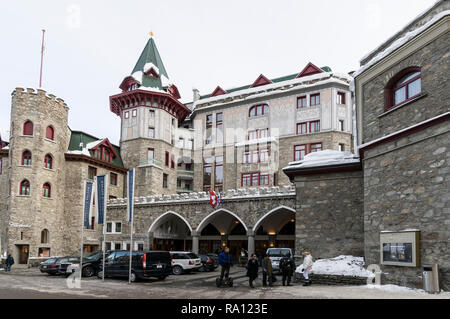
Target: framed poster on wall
400,248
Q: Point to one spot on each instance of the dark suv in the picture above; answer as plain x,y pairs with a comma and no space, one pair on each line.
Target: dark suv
91,263
145,264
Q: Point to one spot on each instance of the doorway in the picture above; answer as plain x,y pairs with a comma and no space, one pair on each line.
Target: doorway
24,251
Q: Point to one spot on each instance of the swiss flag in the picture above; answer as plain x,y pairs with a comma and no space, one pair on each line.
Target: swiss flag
213,200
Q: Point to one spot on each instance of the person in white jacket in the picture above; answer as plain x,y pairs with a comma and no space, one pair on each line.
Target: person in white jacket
307,267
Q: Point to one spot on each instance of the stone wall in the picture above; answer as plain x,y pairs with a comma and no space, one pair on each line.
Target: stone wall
332,280
406,186
329,218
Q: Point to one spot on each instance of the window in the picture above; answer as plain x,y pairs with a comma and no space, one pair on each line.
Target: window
299,152
44,236
257,134
48,161
301,102
118,228
314,126
316,147
106,155
151,132
152,114
302,128
127,114
50,133
26,158
209,120
46,190
258,110
207,169
341,125
150,155
403,87
113,179
218,170
219,127
112,197
314,99
165,181
254,179
264,155
172,161
92,172
340,98
28,128
24,188
341,147
134,113
167,159
109,227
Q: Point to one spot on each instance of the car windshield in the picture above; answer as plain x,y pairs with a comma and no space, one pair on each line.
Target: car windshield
278,252
49,261
92,256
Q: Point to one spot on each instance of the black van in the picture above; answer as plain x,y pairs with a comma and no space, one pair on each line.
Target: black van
145,264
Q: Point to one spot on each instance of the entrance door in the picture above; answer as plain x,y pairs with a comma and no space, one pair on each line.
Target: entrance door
24,251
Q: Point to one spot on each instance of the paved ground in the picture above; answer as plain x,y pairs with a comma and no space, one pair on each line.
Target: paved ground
30,283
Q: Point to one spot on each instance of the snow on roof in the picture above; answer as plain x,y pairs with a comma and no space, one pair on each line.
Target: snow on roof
400,42
325,158
342,265
402,130
257,141
148,66
138,76
268,89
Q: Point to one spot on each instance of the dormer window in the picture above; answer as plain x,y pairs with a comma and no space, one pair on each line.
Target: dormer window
132,87
404,87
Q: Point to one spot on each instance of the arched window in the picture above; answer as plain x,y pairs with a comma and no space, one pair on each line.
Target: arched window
24,187
46,190
48,161
44,236
28,128
26,158
403,87
50,133
258,110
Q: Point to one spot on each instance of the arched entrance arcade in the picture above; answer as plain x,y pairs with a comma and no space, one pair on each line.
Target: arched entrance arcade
171,232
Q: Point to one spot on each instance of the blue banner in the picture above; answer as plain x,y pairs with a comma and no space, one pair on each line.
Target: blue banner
88,187
130,194
101,198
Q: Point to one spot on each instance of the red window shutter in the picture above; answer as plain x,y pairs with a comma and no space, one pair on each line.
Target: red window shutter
28,128
49,134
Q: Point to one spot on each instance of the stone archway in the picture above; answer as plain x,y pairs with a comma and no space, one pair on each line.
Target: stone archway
171,232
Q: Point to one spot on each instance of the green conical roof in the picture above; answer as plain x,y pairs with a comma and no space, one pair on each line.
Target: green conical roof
150,54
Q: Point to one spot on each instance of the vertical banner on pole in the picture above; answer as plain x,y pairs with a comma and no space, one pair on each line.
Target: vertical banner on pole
130,185
86,220
101,195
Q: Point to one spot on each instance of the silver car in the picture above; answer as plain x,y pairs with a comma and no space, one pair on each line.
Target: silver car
275,255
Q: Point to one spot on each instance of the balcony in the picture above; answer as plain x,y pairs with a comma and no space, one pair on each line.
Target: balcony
184,174
151,162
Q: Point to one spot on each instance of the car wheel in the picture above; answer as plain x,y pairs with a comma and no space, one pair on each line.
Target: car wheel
133,277
177,270
88,271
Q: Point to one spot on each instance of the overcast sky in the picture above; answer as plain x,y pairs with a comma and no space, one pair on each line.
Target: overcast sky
92,45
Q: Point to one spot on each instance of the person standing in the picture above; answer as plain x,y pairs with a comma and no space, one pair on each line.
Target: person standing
307,267
226,261
266,265
287,266
252,270
9,262
242,256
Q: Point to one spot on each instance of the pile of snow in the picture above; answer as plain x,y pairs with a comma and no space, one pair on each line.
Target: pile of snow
342,265
325,158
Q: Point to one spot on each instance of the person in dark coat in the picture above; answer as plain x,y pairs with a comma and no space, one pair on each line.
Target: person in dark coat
287,267
266,265
9,262
252,269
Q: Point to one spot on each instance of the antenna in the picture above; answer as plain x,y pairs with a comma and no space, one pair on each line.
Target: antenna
42,58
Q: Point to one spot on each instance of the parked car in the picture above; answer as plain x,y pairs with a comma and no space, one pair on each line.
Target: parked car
275,255
65,262
184,261
50,266
91,263
145,264
214,257
208,264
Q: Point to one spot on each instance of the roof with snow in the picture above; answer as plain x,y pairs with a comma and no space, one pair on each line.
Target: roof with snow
83,144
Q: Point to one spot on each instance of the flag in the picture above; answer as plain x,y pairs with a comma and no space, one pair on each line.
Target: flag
130,184
87,201
219,199
101,198
213,200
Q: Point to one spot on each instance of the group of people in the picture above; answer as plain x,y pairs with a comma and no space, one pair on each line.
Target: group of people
287,268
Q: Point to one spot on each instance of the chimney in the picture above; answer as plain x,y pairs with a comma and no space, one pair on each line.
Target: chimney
196,94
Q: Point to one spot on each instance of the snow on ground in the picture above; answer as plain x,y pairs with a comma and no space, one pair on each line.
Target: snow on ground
401,289
341,265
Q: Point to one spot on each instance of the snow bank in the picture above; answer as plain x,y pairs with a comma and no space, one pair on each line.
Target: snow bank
341,265
325,158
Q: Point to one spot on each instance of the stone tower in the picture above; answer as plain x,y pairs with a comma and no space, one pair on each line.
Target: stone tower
39,138
150,112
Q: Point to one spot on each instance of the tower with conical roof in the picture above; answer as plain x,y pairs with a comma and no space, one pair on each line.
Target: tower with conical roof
150,110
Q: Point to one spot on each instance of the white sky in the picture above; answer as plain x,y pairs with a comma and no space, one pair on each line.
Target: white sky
92,45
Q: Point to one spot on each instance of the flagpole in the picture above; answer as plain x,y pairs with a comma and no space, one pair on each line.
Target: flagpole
82,231
42,58
131,216
104,229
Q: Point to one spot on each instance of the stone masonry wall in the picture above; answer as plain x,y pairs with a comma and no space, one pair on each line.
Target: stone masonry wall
329,218
406,186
